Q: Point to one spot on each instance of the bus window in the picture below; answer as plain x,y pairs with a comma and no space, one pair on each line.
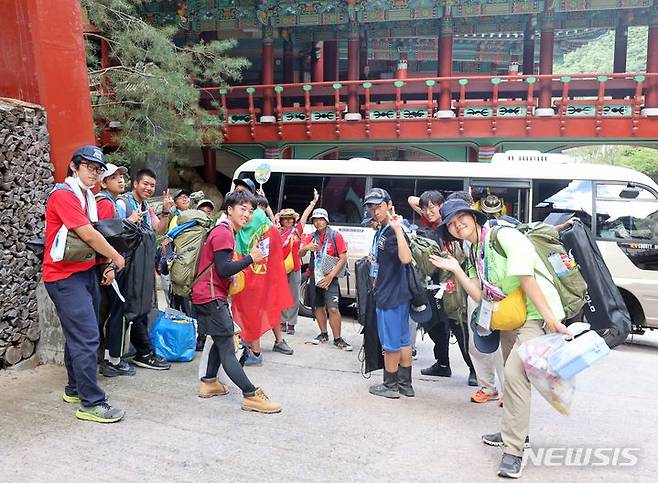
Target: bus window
341,196
626,212
445,186
498,198
271,188
562,196
400,190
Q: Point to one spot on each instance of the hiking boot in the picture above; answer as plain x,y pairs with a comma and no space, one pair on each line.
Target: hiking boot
496,439
151,361
437,369
290,330
404,382
208,389
483,396
340,343
283,347
389,388
121,369
510,466
71,397
472,379
260,403
321,338
253,359
101,413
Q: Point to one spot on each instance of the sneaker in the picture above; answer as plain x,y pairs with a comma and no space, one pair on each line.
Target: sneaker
510,466
340,343
260,403
253,360
472,379
283,348
437,369
496,439
208,389
101,413
321,338
151,361
290,330
71,397
483,396
121,369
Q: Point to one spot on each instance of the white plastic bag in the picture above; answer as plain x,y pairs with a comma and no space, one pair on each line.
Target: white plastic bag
535,353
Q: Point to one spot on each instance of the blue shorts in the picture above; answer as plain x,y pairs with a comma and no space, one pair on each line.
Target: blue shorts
393,328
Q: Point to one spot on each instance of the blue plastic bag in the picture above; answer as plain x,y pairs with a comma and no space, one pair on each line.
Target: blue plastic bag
173,336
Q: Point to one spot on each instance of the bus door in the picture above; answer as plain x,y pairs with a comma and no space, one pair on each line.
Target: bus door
498,198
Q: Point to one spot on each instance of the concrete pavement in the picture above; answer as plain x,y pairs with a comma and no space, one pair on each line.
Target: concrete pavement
330,428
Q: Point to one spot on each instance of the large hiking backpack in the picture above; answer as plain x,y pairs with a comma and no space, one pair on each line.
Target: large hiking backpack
195,225
421,249
566,276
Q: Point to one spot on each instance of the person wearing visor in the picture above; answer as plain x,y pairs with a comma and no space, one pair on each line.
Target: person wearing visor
389,255
69,272
507,279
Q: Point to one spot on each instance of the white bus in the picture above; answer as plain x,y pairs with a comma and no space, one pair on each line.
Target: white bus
620,205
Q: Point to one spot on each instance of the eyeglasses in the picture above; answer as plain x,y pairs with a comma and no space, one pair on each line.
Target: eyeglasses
93,168
430,207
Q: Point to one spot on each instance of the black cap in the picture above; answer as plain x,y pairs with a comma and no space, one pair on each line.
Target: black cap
247,183
91,153
376,196
485,343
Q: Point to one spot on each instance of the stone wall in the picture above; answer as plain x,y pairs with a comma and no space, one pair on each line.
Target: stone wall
25,180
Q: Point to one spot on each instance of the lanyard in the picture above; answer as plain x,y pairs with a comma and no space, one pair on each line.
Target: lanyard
482,268
322,251
374,251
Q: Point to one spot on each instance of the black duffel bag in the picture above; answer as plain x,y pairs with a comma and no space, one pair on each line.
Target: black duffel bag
605,309
123,235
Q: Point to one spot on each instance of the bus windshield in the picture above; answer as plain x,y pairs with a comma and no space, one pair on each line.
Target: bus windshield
626,212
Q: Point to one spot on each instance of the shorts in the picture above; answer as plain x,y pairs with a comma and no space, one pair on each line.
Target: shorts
214,318
393,328
320,297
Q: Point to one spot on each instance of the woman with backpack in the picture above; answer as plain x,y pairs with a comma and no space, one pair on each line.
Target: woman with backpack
492,277
291,227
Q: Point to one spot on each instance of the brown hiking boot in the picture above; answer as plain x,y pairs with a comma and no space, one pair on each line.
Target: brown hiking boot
260,403
212,388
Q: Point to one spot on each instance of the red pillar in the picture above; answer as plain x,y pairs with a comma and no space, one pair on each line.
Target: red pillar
651,98
42,51
209,165
353,113
621,45
546,43
331,60
317,73
445,64
288,63
529,49
268,75
363,56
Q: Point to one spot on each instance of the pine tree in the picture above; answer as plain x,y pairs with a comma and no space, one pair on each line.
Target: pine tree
149,88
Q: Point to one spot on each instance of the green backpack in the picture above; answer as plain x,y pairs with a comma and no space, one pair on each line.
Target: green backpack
187,247
566,276
421,249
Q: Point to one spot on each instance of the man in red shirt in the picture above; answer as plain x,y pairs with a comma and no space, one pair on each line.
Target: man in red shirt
210,298
325,291
71,280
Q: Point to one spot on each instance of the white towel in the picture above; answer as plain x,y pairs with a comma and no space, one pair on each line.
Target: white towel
59,245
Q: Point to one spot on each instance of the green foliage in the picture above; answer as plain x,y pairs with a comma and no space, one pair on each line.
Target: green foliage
638,158
597,56
150,83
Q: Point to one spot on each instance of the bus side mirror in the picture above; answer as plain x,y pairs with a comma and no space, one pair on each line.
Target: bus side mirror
630,192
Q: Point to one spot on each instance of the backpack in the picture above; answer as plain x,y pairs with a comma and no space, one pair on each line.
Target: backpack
421,249
565,274
194,228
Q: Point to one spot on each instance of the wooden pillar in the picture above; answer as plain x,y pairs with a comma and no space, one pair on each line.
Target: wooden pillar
546,43
43,62
363,56
288,63
331,60
209,165
353,111
445,64
317,60
529,49
651,97
267,75
621,46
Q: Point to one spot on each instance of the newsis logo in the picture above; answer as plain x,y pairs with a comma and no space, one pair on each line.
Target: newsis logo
581,456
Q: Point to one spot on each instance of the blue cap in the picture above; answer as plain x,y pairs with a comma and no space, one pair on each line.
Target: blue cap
376,196
247,183
91,153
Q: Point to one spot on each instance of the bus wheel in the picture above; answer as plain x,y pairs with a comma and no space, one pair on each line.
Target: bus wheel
305,309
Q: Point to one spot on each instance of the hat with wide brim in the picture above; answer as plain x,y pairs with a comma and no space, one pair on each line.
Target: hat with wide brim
487,343
453,207
288,213
491,204
420,314
320,213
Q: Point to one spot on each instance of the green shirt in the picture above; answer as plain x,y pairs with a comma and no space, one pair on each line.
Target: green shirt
521,259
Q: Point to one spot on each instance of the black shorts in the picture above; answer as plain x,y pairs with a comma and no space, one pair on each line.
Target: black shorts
321,297
214,318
